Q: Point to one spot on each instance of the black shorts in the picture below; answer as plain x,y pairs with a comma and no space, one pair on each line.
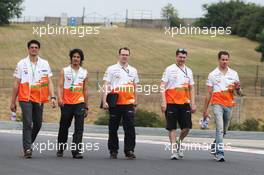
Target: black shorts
180,113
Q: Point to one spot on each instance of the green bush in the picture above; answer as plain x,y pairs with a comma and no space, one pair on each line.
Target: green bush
234,127
102,119
143,118
250,125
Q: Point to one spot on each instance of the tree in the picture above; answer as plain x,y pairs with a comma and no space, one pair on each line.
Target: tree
260,48
9,9
171,14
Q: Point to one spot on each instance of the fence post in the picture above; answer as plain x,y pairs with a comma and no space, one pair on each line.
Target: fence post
97,80
256,81
198,84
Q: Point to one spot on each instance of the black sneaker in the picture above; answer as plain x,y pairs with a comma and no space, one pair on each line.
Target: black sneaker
28,153
77,156
113,155
130,155
60,153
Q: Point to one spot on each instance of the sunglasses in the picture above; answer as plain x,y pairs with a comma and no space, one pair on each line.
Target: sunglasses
182,50
33,47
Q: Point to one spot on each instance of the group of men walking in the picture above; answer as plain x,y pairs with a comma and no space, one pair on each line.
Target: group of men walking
33,87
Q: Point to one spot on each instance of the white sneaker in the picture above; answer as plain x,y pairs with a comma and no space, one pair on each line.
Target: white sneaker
180,153
174,156
219,158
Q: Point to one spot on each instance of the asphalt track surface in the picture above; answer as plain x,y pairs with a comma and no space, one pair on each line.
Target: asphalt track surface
152,159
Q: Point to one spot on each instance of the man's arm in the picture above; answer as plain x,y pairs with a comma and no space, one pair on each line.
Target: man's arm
207,101
85,91
163,97
105,92
14,94
60,88
192,93
51,92
135,96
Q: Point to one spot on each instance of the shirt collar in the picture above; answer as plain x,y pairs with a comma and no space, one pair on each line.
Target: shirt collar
219,72
122,67
28,59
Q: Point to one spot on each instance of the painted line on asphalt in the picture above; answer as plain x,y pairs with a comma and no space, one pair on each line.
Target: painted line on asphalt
141,140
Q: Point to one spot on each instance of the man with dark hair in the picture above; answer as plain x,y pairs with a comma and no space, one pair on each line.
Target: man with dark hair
33,42
124,48
120,82
33,87
221,84
79,51
178,100
73,101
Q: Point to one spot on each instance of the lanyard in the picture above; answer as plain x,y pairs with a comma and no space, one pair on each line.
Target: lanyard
33,70
126,70
74,76
185,72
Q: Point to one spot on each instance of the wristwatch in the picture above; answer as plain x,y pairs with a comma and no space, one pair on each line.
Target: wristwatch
53,98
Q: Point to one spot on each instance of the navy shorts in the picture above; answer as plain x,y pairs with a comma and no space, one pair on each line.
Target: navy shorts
178,113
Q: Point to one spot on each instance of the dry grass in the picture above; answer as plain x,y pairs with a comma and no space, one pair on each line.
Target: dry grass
151,52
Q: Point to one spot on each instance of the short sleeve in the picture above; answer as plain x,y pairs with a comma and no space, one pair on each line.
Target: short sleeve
136,78
210,81
236,77
165,76
49,70
107,75
191,79
18,72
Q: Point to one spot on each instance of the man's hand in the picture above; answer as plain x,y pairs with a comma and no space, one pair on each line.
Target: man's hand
237,85
60,102
86,111
13,107
163,107
53,103
105,105
206,114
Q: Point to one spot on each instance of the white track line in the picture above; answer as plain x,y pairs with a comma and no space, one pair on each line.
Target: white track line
145,141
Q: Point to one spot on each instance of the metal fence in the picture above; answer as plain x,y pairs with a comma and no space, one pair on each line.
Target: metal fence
252,86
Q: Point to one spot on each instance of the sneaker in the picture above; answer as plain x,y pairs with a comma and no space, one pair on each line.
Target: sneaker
28,153
219,158
180,153
174,156
130,155
60,153
113,155
77,156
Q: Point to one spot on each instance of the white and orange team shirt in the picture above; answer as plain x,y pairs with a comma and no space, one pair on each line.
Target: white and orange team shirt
73,85
223,86
178,83
122,81
34,84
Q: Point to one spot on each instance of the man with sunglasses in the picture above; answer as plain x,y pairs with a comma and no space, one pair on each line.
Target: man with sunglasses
178,101
33,87
120,84
221,84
